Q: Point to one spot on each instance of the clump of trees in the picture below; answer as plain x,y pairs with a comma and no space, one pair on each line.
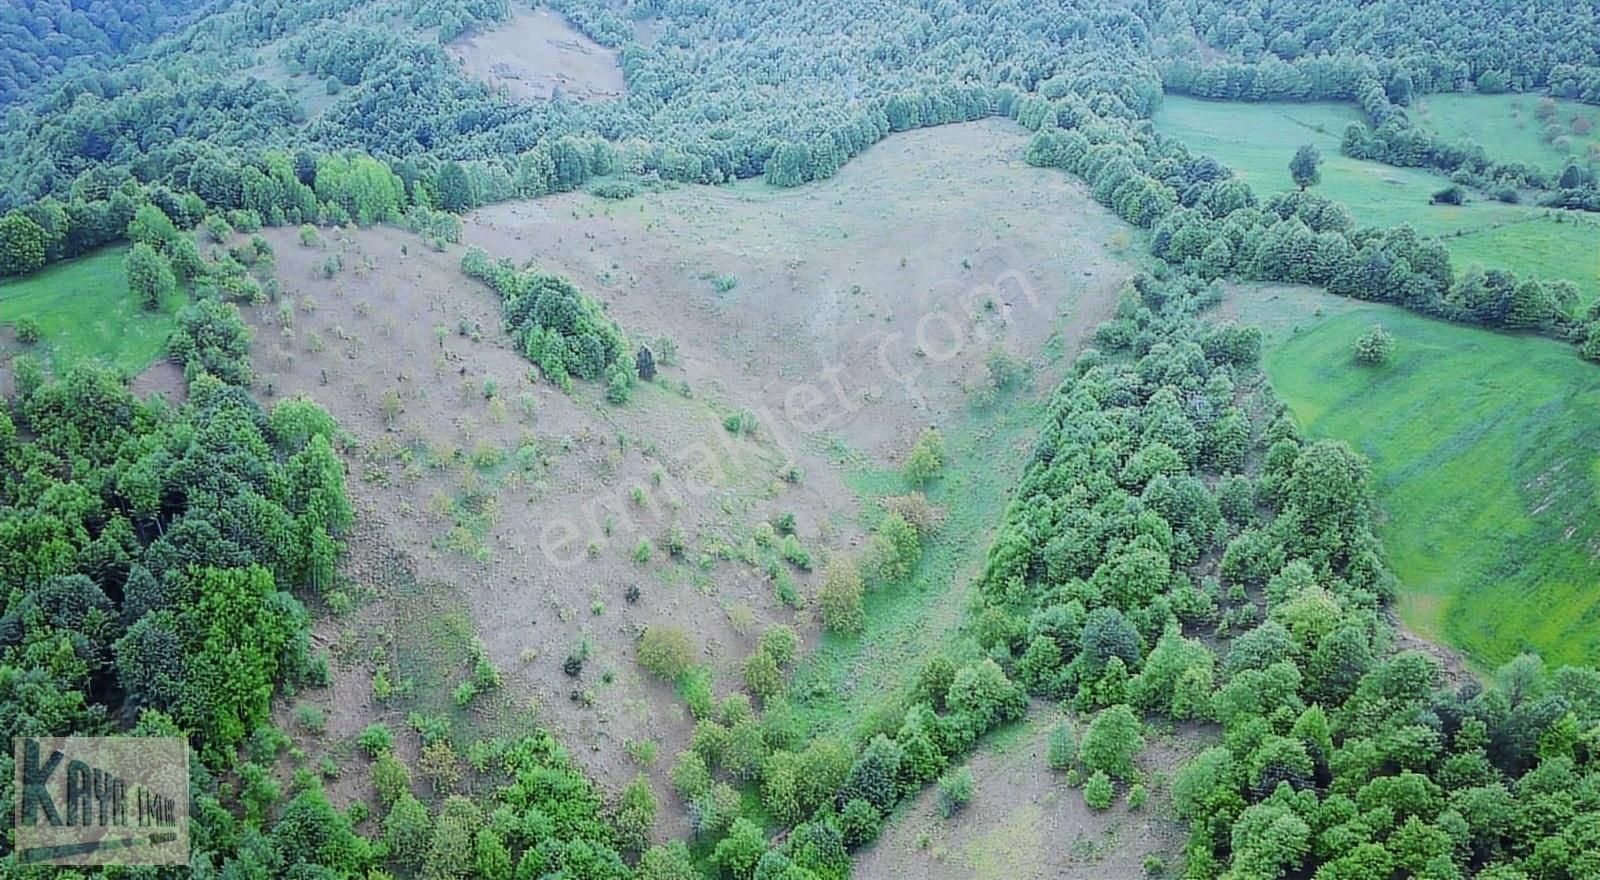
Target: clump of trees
556,326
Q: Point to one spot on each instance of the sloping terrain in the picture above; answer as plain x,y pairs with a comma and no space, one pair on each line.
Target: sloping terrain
514,513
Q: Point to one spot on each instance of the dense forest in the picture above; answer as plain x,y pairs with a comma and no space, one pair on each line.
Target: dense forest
1176,550
43,39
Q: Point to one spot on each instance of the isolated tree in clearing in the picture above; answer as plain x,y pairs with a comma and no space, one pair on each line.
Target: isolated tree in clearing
1375,346
1305,167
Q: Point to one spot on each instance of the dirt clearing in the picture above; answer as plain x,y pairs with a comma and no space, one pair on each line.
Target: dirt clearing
538,55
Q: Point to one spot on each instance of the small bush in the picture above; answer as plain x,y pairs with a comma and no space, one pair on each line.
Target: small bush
742,422
311,718
1062,752
794,553
376,739
1375,346
839,598
1097,793
955,791
666,652
28,331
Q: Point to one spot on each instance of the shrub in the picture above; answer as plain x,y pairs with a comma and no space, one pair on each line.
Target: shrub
441,766
690,776
1062,751
390,777
1097,793
761,675
915,509
894,551
1375,346
217,228
716,809
376,739
1112,741
666,651
636,814
839,599
926,459
780,643
407,832
738,853
859,822
28,331
955,791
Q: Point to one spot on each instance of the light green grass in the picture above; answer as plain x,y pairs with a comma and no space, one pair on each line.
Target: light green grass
1257,140
851,684
86,312
1506,127
1486,453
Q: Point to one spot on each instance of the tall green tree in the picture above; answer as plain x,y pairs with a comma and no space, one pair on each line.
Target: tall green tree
1306,167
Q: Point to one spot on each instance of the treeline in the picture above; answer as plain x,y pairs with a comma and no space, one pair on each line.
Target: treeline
1497,47
1207,221
1389,136
1143,533
1383,84
397,94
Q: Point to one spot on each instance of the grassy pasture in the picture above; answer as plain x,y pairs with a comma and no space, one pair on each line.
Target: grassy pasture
1486,454
1508,128
1258,139
85,311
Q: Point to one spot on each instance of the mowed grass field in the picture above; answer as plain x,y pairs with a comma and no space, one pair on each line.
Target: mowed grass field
85,311
1257,140
1509,130
1486,454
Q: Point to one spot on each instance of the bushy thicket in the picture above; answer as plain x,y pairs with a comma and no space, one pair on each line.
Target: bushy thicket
554,324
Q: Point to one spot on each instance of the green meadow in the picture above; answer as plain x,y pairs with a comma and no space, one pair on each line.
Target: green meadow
1258,139
1509,129
85,311
1486,456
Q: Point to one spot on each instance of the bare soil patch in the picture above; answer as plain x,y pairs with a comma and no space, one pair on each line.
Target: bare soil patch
806,308
162,379
537,55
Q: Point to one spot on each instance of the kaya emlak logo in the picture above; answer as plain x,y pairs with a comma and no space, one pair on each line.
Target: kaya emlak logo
119,800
